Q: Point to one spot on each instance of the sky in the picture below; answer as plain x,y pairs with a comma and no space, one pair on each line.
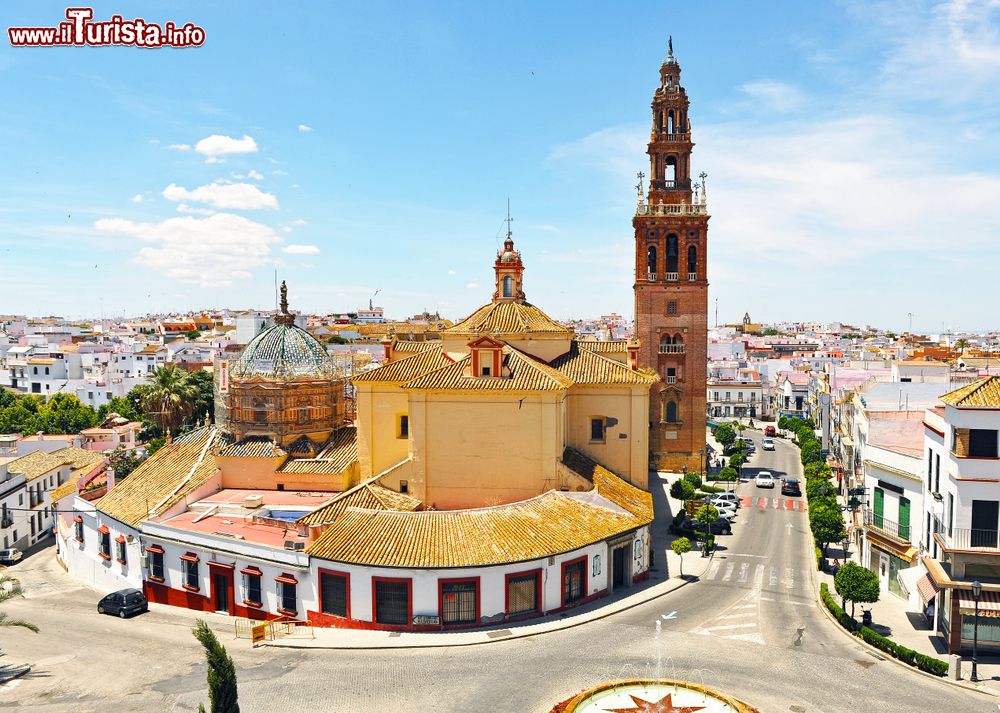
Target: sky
352,148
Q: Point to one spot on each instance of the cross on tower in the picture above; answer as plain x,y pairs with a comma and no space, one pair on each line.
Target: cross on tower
638,186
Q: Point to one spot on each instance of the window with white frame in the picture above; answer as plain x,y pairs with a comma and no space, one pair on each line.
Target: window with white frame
190,566
285,588
251,586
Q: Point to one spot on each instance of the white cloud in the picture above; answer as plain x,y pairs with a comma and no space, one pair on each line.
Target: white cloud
210,252
180,147
154,141
300,250
185,208
286,229
452,273
305,265
216,145
255,175
305,129
137,198
238,196
298,221
772,97
279,172
473,285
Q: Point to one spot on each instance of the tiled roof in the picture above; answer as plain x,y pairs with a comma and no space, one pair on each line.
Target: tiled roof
369,495
249,447
499,318
637,501
549,524
163,479
586,367
336,454
526,374
37,464
984,393
70,486
283,352
611,347
406,369
404,345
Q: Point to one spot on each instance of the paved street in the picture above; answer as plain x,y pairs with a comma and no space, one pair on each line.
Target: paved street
749,627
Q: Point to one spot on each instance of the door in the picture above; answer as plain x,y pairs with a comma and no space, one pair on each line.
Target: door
220,587
392,602
904,518
619,566
879,508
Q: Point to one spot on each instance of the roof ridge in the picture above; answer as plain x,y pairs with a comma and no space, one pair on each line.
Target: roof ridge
540,366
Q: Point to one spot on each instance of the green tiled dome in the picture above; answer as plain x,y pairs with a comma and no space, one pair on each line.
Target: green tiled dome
283,352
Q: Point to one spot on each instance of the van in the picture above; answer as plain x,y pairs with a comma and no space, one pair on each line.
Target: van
770,431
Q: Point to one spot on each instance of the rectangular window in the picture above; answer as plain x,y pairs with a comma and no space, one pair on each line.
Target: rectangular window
879,507
930,468
982,443
937,473
104,544
904,518
190,566
156,564
597,429
574,581
404,486
951,511
392,602
251,586
77,529
333,593
486,371
286,587
404,427
460,602
984,523
120,554
522,594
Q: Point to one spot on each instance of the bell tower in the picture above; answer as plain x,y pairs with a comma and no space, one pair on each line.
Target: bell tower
671,285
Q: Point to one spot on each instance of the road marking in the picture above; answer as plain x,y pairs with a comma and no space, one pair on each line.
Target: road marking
726,627
738,615
772,580
775,502
670,617
761,503
789,505
755,638
758,578
745,501
744,571
789,578
787,601
744,606
714,568
729,571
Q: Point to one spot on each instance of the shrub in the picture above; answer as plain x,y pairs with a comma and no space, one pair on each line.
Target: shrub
727,473
845,620
819,560
693,478
711,489
682,490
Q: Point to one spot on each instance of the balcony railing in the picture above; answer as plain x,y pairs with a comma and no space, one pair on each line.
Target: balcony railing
963,538
671,379
651,276
664,135
672,276
692,276
671,185
879,523
671,209
672,349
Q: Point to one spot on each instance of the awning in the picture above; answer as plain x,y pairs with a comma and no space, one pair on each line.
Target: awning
927,589
286,579
989,602
120,539
77,519
155,549
252,571
905,552
103,529
189,557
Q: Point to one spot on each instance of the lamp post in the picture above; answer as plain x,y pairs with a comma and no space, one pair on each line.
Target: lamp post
846,543
977,590
701,461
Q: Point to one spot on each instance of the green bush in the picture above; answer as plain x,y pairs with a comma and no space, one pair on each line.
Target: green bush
931,665
693,478
711,489
727,473
819,560
843,617
682,490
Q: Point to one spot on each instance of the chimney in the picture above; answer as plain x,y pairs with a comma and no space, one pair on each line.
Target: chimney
633,353
387,343
111,479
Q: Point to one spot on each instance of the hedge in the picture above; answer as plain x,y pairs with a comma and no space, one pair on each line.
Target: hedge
819,559
706,488
882,643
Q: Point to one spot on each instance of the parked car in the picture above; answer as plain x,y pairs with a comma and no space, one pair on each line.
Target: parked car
728,497
764,480
721,526
10,555
124,602
767,444
725,508
790,486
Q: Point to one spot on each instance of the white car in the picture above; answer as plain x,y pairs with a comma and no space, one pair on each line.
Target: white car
728,497
726,509
764,480
767,444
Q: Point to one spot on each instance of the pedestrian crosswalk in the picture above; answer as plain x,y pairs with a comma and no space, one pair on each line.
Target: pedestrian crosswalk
765,503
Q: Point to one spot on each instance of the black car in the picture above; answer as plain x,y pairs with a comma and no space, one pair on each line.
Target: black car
790,486
721,526
125,602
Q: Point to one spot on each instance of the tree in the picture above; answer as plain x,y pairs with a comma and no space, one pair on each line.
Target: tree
123,462
8,590
827,524
854,583
737,460
17,418
707,515
171,398
811,452
192,334
120,405
64,413
205,402
337,339
694,479
682,490
222,693
725,436
680,546
727,473
961,344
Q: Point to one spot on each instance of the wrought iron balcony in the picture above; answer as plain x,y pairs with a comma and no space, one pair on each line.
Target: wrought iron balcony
671,349
964,538
679,184
671,379
664,135
880,524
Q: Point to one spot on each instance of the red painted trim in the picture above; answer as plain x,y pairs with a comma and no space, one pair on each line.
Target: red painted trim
120,539
189,557
255,605
157,580
155,548
539,607
162,594
580,602
974,457
106,558
227,571
977,480
562,581
288,612
77,519
253,571
641,577
190,588
347,588
221,565
409,604
927,425
457,580
103,529
286,578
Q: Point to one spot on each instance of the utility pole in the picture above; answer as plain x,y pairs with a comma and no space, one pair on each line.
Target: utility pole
716,312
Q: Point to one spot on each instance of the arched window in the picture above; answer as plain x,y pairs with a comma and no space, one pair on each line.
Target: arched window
651,260
671,415
692,259
508,286
670,169
670,122
671,253
46,370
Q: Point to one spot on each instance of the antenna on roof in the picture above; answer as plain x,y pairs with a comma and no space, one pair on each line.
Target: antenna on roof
509,220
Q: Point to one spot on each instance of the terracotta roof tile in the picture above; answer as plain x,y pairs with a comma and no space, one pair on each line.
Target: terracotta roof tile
984,393
406,369
526,374
34,465
369,495
608,347
500,318
583,366
337,454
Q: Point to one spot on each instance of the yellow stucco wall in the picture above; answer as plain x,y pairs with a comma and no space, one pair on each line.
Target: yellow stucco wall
625,404
260,474
379,407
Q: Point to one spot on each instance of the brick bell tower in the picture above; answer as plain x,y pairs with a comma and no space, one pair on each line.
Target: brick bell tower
671,285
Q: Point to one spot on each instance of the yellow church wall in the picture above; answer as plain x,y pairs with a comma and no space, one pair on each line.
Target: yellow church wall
545,348
474,450
260,474
627,405
379,407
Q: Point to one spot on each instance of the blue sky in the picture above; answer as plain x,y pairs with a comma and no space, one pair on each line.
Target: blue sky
852,153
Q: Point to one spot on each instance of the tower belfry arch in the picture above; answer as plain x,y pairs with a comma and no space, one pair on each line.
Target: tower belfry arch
671,286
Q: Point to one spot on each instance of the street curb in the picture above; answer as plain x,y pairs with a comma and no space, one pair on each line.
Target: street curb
598,615
883,655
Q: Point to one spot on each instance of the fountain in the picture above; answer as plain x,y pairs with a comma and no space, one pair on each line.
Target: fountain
652,695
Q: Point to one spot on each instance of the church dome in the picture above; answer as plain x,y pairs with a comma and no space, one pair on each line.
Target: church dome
283,352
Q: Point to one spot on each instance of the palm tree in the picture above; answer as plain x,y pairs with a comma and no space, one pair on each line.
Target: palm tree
961,344
171,397
9,588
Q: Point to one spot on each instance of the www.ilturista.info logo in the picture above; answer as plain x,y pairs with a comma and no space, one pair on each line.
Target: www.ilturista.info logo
80,31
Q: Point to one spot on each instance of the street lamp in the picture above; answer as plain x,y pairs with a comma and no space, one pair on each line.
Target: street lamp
701,461
846,543
977,590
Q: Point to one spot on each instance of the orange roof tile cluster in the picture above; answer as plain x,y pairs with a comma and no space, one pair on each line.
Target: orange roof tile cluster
584,366
505,318
525,374
369,495
984,393
337,454
406,369
609,347
35,465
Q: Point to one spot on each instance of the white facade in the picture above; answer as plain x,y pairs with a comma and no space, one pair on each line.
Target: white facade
735,399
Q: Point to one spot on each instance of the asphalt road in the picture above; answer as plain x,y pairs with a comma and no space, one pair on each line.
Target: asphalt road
749,627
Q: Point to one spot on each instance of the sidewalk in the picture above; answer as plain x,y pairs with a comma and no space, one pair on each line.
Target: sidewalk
662,581
891,618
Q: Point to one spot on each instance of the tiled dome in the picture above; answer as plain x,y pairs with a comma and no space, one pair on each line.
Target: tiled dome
283,352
